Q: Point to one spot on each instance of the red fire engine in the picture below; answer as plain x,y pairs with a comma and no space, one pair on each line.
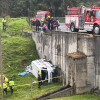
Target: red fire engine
84,19
39,15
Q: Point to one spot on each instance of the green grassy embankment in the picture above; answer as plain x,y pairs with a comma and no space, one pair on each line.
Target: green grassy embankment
17,52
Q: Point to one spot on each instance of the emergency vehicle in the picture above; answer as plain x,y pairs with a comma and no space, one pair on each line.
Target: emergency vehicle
83,18
39,15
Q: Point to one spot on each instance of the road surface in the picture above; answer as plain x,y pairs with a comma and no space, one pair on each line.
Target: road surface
63,27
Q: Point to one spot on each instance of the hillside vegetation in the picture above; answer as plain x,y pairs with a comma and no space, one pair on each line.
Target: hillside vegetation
18,51
58,8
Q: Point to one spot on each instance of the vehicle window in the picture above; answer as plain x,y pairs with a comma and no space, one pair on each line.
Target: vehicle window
40,15
98,13
93,13
88,13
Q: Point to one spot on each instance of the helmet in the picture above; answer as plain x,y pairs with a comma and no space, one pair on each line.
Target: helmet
48,17
6,79
39,73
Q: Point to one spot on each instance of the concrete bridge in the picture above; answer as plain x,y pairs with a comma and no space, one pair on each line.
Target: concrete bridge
76,54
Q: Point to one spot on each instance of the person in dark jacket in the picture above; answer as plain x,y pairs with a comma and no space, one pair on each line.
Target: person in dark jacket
39,79
52,22
37,23
48,21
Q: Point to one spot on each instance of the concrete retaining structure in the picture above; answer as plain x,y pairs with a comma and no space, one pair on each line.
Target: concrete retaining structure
57,45
61,92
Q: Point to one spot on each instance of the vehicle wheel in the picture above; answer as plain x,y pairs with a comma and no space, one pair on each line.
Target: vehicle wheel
72,28
89,32
76,30
96,30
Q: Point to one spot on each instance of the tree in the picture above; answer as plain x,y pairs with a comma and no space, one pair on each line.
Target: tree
16,8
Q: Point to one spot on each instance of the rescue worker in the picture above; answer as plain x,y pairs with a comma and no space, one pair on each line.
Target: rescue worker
6,80
4,24
39,79
37,24
52,22
42,21
11,85
57,24
5,87
44,27
48,21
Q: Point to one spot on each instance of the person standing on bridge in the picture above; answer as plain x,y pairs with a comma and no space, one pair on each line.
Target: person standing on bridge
42,21
48,21
37,23
57,24
52,23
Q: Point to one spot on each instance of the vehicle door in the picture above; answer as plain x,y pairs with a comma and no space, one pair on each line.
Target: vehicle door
93,13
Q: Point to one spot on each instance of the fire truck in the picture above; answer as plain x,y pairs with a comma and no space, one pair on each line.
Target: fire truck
83,18
39,15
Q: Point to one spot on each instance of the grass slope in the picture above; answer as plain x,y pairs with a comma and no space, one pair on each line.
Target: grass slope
17,52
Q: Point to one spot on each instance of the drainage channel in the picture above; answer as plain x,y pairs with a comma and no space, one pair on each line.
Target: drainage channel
61,92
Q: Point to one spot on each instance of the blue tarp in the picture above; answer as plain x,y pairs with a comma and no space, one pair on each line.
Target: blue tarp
23,73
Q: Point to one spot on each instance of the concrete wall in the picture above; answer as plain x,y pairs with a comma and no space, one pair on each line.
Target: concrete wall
56,47
97,61
86,45
61,92
59,44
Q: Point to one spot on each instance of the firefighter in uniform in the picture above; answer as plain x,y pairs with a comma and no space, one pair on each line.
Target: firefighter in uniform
11,85
6,80
5,87
48,19
39,79
4,24
42,21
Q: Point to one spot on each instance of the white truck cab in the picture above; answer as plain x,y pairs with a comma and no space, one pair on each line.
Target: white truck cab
45,67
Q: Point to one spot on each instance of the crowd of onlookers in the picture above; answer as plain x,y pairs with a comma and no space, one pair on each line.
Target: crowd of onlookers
47,24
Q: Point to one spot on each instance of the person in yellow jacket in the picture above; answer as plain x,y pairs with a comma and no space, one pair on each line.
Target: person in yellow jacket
6,79
11,85
5,88
48,16
4,24
42,20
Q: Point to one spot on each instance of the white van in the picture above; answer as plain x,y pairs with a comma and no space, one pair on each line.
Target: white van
45,67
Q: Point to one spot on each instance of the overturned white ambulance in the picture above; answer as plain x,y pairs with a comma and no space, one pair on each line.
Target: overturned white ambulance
47,69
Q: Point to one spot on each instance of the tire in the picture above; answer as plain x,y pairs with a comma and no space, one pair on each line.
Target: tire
89,32
96,30
72,27
76,30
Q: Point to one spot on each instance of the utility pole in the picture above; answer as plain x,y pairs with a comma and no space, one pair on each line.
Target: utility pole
1,69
